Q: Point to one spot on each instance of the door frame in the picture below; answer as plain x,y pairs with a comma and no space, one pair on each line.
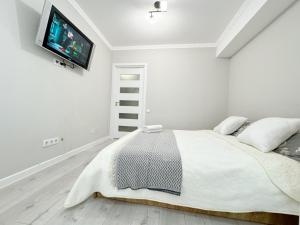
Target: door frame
113,92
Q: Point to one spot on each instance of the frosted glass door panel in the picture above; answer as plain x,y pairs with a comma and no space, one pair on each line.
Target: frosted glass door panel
127,100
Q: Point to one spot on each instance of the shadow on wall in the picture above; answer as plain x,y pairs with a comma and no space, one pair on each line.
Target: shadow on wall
28,22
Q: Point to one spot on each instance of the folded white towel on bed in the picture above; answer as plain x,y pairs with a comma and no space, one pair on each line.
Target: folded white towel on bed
153,128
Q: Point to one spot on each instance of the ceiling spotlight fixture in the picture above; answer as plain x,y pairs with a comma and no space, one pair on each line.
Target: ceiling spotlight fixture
160,6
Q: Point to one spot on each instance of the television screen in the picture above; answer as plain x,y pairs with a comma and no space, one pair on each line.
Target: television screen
66,40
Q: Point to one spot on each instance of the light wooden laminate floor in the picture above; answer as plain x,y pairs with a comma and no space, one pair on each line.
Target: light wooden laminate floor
38,200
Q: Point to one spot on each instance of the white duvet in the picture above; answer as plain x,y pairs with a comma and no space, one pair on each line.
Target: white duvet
217,175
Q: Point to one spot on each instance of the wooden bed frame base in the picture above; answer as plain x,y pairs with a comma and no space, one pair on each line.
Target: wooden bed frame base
258,217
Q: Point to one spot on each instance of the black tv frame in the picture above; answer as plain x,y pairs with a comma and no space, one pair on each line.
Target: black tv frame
53,11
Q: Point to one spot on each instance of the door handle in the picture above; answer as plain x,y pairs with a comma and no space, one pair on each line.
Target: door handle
117,103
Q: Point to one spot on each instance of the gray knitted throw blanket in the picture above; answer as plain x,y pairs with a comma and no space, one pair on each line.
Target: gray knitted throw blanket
152,161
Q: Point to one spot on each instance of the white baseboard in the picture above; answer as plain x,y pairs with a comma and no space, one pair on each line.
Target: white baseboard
6,181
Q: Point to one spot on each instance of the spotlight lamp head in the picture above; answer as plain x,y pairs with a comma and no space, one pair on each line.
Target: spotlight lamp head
157,5
160,6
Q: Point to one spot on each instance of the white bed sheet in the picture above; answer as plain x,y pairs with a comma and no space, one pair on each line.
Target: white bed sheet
216,176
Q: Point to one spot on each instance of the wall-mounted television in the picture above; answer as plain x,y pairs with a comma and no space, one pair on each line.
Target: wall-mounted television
60,36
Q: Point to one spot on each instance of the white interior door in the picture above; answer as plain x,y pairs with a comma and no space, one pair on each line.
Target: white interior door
128,98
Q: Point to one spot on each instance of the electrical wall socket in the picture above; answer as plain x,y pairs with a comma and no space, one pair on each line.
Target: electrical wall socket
51,141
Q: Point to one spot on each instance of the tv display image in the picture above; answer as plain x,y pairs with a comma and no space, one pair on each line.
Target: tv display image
66,40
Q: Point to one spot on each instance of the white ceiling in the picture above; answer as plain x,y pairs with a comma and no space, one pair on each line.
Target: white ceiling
126,22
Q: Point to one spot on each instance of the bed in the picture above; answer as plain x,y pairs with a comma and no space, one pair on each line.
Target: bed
221,177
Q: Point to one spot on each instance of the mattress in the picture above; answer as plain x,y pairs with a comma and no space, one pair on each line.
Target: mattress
218,175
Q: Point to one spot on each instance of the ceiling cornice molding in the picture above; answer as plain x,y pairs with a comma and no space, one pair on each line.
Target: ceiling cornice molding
166,46
246,12
252,17
81,12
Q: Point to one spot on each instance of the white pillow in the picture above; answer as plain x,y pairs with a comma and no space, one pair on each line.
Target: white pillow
267,134
230,125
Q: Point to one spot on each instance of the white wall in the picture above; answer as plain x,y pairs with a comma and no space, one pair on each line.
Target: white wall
187,88
40,100
265,75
